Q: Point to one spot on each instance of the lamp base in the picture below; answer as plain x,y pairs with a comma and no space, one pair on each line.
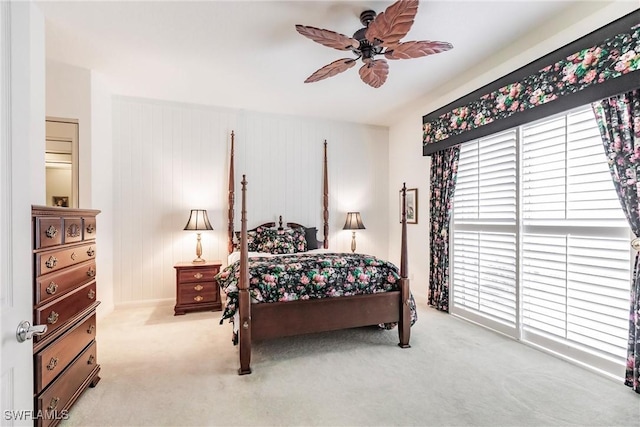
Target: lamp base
199,258
353,242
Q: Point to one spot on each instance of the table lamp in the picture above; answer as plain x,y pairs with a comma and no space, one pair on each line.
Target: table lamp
198,221
353,222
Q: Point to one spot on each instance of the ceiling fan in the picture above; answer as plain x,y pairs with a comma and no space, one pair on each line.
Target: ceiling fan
380,36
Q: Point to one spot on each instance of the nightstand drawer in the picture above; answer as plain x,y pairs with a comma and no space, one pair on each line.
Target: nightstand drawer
197,274
194,293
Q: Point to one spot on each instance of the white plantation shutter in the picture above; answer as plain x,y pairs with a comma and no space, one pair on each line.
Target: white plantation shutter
484,254
571,288
485,273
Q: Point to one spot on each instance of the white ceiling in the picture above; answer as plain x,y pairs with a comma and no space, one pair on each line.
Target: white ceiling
247,54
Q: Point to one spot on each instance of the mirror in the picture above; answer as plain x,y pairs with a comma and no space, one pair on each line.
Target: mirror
61,162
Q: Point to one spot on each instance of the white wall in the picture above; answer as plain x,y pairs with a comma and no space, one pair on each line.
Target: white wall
170,158
405,136
101,188
78,93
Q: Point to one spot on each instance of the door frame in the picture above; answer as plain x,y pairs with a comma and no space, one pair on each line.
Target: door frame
22,107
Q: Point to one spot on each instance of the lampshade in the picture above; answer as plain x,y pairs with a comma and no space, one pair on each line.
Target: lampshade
353,222
198,220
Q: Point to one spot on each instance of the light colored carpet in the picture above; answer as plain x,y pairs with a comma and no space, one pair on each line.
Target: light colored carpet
161,370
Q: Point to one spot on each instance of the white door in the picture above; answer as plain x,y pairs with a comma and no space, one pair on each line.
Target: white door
17,130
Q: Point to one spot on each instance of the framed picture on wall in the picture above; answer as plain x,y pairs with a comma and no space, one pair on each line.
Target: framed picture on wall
412,205
61,201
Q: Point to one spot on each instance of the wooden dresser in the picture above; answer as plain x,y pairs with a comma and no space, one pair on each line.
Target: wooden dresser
65,299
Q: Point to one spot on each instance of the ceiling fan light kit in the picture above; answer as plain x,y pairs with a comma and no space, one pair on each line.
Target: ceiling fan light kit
380,35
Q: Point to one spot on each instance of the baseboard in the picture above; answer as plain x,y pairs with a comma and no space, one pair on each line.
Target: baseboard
103,310
145,303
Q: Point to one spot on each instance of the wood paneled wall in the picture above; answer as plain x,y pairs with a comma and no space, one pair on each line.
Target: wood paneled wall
170,158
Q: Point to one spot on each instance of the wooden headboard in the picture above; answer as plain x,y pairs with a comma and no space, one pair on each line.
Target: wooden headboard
280,227
325,203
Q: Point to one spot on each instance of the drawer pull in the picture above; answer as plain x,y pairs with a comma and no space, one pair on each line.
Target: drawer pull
91,272
91,294
53,403
198,275
52,288
198,287
52,364
51,232
90,229
53,317
73,256
91,329
73,230
91,251
198,298
91,360
51,262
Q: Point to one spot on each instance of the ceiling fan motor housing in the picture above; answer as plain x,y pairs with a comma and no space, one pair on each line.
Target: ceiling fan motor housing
366,49
367,16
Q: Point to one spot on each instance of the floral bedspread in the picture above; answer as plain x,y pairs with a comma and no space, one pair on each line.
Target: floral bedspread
308,276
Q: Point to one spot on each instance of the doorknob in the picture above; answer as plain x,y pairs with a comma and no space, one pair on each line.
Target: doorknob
26,331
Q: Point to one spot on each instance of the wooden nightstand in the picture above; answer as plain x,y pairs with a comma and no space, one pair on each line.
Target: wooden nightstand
196,288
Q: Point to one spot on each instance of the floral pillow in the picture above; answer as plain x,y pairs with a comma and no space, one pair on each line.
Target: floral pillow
300,239
284,241
252,240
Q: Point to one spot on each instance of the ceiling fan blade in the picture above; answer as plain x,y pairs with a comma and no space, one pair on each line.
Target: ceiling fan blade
330,70
393,24
328,38
374,73
409,50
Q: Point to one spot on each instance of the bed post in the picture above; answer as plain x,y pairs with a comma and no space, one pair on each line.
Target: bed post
231,197
244,303
404,326
325,200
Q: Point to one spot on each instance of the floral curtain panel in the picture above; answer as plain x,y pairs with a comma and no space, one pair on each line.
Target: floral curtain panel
584,75
443,176
618,118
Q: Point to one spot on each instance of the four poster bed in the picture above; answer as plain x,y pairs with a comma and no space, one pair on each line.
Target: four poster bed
298,289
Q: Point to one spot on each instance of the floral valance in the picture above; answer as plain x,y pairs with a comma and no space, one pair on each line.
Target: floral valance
582,72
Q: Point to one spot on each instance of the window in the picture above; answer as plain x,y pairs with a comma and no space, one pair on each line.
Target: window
540,244
484,240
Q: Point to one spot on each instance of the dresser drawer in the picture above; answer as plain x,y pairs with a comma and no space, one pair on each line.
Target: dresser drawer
50,261
58,395
52,285
197,274
48,232
89,231
72,230
194,293
62,310
55,357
